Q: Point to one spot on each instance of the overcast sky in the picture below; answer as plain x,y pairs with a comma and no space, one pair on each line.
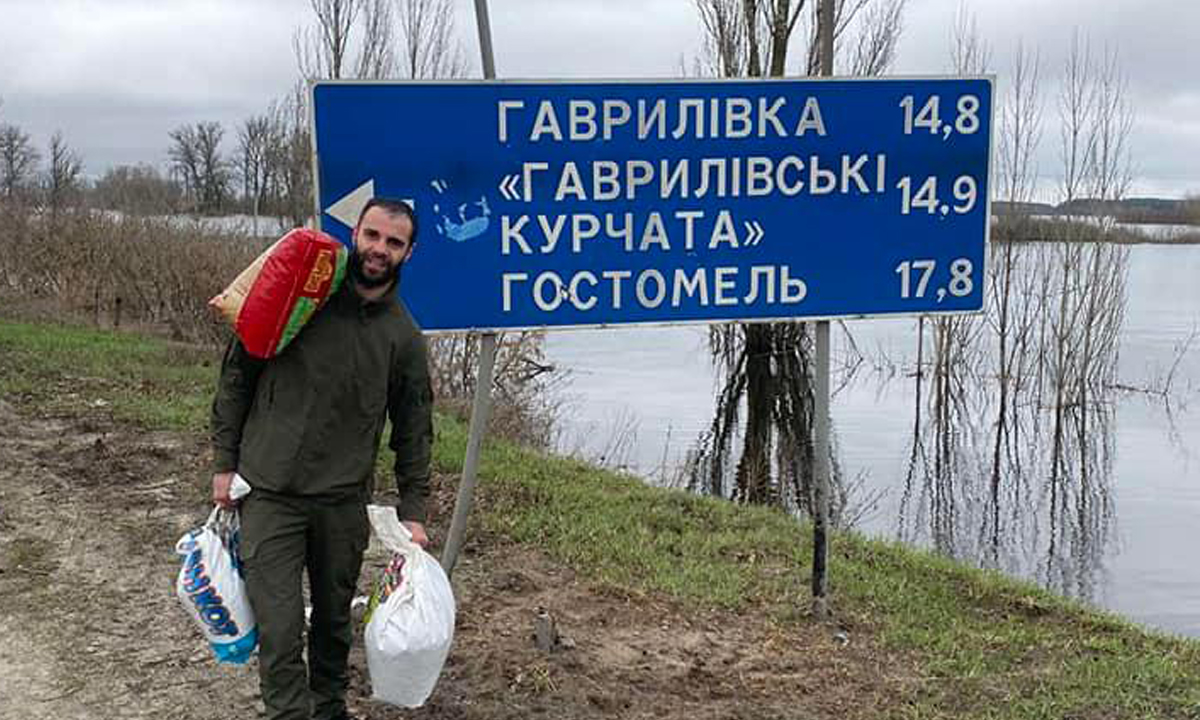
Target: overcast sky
115,76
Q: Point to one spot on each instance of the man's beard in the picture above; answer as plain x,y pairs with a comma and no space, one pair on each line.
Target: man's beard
360,277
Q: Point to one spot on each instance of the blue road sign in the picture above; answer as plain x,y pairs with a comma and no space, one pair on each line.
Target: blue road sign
567,204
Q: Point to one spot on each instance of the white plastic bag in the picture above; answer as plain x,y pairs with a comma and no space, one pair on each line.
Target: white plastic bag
409,634
212,590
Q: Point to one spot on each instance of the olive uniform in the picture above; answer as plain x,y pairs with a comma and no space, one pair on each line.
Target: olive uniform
303,428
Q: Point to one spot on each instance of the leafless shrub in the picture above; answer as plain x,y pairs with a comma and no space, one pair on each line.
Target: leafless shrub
136,189
125,270
522,382
158,274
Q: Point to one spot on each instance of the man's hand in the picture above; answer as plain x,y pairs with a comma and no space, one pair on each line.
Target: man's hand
220,490
418,533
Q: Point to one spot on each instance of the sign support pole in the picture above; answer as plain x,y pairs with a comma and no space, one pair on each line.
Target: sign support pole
481,407
821,469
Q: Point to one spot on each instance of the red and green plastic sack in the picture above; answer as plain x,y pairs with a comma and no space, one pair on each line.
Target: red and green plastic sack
272,299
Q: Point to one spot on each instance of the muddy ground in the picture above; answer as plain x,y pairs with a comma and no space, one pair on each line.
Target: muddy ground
90,627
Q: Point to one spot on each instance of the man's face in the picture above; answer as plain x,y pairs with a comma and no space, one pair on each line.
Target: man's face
382,242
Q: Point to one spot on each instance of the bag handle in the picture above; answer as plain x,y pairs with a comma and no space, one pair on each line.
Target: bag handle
390,531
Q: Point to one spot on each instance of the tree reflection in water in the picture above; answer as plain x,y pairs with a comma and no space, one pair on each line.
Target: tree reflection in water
1011,457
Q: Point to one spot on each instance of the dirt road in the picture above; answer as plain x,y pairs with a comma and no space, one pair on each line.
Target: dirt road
91,630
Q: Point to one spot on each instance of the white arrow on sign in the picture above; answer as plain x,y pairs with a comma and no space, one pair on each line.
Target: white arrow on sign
347,210
349,207
754,233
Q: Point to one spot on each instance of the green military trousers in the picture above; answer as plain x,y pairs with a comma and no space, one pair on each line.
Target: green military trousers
282,536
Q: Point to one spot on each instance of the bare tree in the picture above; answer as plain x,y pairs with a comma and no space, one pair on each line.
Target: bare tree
1019,415
1097,121
954,368
322,49
18,163
428,48
848,15
358,38
876,38
1020,127
185,161
753,38
730,38
768,366
376,57
291,153
1111,171
62,175
196,156
969,52
258,161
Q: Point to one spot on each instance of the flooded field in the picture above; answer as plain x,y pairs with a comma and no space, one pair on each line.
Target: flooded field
1080,470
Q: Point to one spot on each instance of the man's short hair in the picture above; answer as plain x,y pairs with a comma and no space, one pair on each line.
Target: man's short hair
392,206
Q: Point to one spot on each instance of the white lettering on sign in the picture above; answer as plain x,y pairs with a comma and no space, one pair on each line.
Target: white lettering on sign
624,233
810,119
502,120
509,279
756,273
557,291
583,119
731,118
754,176
725,284
616,276
551,230
569,183
546,123
583,227
653,120
654,231
651,288
694,285
616,114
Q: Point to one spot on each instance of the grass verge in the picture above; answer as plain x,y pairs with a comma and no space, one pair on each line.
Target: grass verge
980,645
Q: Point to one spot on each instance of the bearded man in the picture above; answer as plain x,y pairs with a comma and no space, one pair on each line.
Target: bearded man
303,429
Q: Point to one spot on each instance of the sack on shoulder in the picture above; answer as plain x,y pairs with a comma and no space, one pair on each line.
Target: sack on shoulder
271,300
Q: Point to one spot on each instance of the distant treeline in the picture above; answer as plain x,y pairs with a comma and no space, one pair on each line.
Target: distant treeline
1129,210
1014,227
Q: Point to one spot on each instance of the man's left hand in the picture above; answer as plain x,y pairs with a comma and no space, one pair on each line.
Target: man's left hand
418,533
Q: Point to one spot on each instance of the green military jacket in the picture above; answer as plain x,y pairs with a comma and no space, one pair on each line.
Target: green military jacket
309,421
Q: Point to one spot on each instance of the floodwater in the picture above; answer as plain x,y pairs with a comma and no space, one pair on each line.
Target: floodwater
1095,491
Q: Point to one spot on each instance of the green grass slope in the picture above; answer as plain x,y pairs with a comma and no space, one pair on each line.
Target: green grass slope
983,646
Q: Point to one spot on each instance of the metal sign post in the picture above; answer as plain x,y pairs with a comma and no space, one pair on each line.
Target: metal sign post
481,408
821,419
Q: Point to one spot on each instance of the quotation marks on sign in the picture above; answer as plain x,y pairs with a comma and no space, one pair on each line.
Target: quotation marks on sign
508,187
754,233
